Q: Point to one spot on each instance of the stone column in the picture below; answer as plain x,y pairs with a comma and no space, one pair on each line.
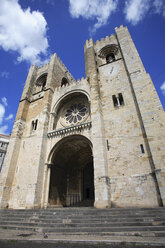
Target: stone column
47,185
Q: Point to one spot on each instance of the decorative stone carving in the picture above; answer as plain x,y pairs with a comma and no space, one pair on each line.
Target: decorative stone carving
69,130
74,112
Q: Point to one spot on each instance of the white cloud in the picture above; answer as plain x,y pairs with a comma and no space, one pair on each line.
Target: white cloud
135,10
2,113
4,100
3,119
97,10
4,74
9,117
23,31
159,7
3,129
162,87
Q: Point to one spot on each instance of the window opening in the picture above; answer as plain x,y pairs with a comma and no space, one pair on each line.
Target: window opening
76,113
110,58
1,154
34,125
107,145
142,148
43,85
118,100
64,82
41,82
115,101
121,100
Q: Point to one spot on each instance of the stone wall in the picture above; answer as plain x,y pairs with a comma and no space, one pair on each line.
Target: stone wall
124,125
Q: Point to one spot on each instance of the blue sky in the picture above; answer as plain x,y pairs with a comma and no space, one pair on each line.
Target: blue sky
32,30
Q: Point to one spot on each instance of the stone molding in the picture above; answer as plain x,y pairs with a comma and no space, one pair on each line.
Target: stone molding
70,129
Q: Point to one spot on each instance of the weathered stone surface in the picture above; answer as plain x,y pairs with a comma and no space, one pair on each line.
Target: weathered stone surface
112,120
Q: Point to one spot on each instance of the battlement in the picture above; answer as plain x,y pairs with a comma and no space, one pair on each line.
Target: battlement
64,67
90,42
82,81
106,39
98,43
93,132
43,66
120,28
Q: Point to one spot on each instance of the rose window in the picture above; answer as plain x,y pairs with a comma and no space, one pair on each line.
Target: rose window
76,113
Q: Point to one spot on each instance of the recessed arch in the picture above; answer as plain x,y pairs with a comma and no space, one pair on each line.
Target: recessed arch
41,80
67,110
108,49
60,142
72,174
71,94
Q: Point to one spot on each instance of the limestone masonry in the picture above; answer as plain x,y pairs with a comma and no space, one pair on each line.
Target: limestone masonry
98,141
4,141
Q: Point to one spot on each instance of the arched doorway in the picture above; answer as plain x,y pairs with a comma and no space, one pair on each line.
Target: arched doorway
72,177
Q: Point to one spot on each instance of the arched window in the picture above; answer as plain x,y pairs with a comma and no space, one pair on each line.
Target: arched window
109,53
110,58
64,81
41,81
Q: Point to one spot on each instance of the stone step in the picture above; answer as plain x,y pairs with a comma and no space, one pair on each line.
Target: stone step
85,210
86,221
61,232
86,230
82,217
82,220
82,212
67,223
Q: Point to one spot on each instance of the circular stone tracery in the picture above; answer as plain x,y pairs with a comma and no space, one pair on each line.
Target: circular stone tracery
75,113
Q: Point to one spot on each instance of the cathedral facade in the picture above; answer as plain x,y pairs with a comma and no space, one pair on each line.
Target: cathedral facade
98,141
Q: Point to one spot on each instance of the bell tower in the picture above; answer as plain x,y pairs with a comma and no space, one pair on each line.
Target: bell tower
99,140
125,111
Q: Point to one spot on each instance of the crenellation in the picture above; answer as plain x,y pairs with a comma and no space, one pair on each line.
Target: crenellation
89,43
64,68
102,40
42,69
71,85
99,138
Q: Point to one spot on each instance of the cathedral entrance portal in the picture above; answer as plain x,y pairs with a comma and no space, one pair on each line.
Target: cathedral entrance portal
72,176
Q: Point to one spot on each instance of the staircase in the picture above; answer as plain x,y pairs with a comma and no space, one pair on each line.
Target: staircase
87,221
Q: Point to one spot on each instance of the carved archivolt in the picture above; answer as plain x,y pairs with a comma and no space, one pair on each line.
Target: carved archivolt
108,49
74,111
